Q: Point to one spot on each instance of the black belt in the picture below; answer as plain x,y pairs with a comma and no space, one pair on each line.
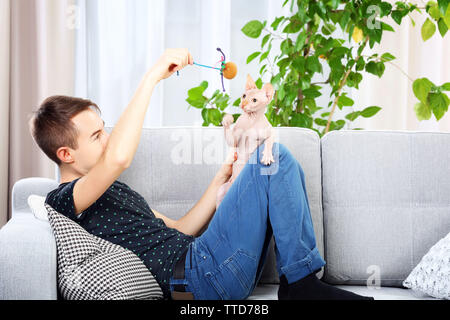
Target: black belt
179,290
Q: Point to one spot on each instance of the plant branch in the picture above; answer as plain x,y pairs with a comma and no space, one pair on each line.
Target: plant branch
323,82
300,96
271,66
395,65
308,38
344,80
401,70
275,35
277,109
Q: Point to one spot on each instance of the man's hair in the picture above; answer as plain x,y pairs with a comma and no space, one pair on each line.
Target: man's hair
51,125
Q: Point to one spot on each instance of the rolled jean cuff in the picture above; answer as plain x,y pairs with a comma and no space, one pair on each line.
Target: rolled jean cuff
300,269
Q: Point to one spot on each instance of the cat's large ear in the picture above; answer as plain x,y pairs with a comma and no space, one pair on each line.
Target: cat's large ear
268,89
250,83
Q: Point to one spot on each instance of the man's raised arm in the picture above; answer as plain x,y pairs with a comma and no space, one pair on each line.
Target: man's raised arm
124,139
125,136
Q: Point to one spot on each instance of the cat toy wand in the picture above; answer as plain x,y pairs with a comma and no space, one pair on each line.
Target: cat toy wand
227,69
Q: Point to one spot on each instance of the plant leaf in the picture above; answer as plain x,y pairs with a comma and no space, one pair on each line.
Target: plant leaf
446,86
276,22
313,64
300,120
421,88
345,19
276,81
353,115
423,112
253,56
439,104
300,41
397,16
205,114
215,94
370,111
357,34
387,57
428,29
253,29
204,85
214,116
434,12
196,93
442,26
447,17
198,103
264,55
344,101
259,83
311,93
443,6
385,9
387,27
376,68
264,40
293,27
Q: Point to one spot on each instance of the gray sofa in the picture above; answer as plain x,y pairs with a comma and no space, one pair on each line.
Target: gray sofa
379,200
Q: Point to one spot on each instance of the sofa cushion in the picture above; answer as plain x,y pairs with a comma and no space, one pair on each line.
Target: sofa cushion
173,166
269,292
91,268
432,275
385,202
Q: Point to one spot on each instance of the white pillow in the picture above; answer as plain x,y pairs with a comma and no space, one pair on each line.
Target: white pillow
36,204
91,268
432,275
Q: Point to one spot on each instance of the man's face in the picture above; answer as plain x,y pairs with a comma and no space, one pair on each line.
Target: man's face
92,141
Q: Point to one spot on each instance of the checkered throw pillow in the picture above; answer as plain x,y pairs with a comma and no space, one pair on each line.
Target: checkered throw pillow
91,268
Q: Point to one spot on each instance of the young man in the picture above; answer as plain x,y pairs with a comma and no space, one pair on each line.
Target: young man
225,261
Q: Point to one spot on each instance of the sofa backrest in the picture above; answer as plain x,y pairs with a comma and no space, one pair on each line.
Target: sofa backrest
386,201
173,166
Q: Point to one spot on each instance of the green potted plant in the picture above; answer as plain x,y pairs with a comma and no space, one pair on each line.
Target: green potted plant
308,41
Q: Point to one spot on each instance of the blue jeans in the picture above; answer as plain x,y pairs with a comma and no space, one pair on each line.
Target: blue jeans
226,261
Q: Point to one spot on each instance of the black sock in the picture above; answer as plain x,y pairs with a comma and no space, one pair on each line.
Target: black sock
283,290
311,288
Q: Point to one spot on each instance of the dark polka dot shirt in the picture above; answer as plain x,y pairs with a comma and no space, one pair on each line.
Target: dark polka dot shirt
122,216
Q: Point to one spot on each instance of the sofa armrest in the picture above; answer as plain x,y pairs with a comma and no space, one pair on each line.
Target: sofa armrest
27,260
23,188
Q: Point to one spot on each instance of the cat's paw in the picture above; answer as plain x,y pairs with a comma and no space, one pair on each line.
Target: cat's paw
227,120
267,158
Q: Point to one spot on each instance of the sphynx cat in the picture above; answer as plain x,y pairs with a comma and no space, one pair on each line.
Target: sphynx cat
250,130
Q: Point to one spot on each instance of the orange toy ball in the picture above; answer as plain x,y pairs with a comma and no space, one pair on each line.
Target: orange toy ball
230,70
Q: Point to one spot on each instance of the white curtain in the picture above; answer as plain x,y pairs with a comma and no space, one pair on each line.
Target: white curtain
4,107
36,61
118,40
